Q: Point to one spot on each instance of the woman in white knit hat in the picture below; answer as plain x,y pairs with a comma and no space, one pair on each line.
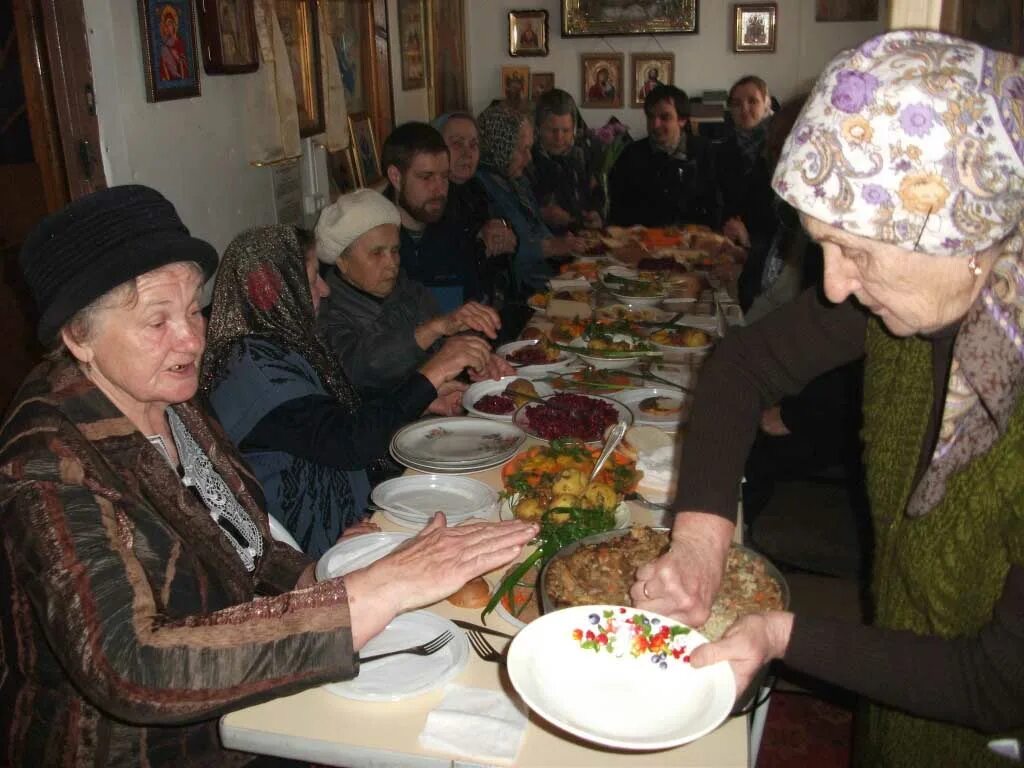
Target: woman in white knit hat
283,398
378,322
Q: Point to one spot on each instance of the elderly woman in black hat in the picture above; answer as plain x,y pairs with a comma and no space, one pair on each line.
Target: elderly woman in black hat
146,596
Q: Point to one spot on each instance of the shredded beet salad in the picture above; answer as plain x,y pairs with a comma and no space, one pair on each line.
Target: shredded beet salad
497,404
568,415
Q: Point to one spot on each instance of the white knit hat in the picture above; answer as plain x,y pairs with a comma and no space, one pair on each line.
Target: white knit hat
350,217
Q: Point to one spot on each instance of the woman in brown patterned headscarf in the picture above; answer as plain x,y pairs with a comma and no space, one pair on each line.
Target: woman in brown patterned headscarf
283,397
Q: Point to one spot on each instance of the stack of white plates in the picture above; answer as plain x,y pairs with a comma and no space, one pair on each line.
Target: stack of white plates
411,501
456,445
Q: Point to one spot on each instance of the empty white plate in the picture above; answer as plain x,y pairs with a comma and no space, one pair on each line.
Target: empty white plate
405,675
356,552
412,500
590,685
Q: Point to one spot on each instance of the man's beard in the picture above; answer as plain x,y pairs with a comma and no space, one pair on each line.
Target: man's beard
421,213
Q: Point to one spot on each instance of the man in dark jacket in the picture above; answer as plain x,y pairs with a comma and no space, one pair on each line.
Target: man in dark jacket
665,179
437,248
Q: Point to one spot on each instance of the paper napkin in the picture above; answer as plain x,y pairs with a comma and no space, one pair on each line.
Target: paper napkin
474,722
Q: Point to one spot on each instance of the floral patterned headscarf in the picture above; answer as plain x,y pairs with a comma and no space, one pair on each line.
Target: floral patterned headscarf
915,139
262,290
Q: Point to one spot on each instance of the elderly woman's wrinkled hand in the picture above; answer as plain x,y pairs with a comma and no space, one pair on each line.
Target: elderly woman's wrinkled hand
439,560
736,231
471,316
498,238
457,354
748,645
683,582
497,368
449,399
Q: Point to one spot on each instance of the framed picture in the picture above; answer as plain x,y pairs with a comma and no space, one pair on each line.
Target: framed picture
528,33
168,33
228,28
343,172
299,28
541,83
846,10
995,24
754,31
615,17
649,71
351,30
364,145
602,80
515,84
448,42
413,41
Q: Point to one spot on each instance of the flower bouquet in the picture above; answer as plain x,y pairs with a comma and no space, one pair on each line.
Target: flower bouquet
607,143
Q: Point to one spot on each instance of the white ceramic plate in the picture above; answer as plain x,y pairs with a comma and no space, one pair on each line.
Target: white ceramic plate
521,418
639,301
279,533
564,360
412,500
595,694
496,387
608,363
449,470
456,441
631,398
622,516
634,314
356,552
404,676
682,375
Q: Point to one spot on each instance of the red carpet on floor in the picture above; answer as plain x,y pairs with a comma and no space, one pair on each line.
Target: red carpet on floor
803,731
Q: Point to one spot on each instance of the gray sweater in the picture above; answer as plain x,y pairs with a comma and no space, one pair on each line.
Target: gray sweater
375,339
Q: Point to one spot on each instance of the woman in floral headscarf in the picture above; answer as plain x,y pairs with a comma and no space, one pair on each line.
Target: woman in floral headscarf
907,166
506,138
284,399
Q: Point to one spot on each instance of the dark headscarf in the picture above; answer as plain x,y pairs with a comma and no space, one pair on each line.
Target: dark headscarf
499,128
262,290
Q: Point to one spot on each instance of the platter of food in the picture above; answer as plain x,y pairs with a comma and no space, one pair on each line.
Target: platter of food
589,671
498,399
655,406
570,415
540,301
602,568
535,357
632,314
612,344
679,341
600,381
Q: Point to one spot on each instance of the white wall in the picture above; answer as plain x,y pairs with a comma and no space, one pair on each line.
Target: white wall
191,150
703,61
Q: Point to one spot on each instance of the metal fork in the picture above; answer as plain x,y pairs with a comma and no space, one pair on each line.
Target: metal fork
426,649
483,648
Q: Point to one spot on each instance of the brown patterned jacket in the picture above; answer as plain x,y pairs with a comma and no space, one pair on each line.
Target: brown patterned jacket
128,623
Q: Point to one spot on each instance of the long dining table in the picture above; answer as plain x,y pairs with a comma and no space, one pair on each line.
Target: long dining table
320,727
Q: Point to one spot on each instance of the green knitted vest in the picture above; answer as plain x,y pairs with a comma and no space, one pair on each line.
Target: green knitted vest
942,573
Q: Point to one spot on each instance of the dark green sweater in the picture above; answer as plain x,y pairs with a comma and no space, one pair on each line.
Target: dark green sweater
949,645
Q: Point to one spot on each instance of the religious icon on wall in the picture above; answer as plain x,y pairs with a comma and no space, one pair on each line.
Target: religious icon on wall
602,80
649,71
169,48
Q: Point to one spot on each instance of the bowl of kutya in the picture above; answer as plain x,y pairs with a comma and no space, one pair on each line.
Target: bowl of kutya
602,568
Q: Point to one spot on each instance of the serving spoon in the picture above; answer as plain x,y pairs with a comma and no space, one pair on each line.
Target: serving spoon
614,438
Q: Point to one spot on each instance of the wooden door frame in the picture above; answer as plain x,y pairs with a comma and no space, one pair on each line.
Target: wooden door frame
57,74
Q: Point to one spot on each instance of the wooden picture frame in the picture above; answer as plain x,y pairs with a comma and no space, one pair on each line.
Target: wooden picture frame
350,39
528,33
343,172
412,36
588,18
364,147
754,27
169,58
301,32
228,28
643,65
515,85
541,83
846,10
602,80
449,84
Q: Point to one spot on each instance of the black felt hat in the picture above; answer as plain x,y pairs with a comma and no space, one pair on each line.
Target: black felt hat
100,241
